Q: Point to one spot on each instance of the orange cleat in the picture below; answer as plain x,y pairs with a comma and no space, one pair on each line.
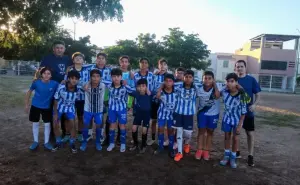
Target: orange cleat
178,156
205,155
187,148
198,154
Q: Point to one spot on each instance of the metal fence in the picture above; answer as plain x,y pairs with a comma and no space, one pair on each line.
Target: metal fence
275,83
18,67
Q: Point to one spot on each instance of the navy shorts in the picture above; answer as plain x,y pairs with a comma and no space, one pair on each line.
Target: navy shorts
35,113
142,118
205,121
249,123
183,121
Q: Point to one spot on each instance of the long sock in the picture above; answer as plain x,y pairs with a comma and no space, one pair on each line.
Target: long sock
98,134
112,136
171,142
123,136
58,139
72,140
90,131
161,137
35,131
135,138
187,136
47,131
119,134
85,133
233,154
227,152
179,139
144,140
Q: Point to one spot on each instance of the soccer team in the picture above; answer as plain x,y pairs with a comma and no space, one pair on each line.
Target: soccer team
96,93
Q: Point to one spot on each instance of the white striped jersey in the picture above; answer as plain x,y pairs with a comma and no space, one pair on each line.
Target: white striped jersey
186,99
105,72
66,99
84,78
94,99
150,79
234,107
118,97
167,105
207,101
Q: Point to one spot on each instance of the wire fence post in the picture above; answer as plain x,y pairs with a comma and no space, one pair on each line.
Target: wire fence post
270,89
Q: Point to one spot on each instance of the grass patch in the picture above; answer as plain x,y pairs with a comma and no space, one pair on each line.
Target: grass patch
278,119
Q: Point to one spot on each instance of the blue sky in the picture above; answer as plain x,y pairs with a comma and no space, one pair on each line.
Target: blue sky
224,25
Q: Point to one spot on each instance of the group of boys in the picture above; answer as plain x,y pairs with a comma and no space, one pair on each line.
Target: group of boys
166,100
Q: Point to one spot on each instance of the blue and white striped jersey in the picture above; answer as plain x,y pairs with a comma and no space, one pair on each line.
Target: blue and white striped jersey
105,72
94,99
186,99
118,97
126,76
158,80
167,105
234,107
207,101
66,99
150,79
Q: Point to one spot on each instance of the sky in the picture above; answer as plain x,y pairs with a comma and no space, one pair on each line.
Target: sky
224,25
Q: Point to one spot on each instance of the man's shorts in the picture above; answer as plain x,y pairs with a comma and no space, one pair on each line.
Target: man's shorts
117,116
228,127
88,117
205,121
79,106
142,118
67,115
248,124
163,122
183,121
35,113
154,109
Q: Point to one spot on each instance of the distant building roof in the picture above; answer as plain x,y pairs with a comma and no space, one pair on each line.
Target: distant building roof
275,37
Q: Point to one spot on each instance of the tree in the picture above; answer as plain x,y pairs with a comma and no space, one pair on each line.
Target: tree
184,50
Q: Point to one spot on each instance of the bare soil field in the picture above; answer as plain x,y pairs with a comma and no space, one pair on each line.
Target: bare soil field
276,152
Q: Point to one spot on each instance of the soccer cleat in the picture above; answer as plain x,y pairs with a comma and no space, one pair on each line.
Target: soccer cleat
166,142
158,151
198,154
110,147
73,148
205,155
56,147
225,160
250,160
66,139
172,154
83,146
79,137
238,155
150,142
142,150
175,146
48,146
178,157
98,146
34,146
187,148
133,148
233,161
123,148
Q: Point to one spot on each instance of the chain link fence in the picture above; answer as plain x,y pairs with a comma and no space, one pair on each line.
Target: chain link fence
18,67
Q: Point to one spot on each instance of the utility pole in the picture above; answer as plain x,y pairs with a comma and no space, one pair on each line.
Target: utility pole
297,62
74,31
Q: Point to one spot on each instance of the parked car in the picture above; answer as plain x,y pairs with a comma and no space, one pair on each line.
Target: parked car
3,71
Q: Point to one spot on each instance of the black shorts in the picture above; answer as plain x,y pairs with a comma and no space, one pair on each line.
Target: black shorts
142,117
249,123
154,109
79,105
35,114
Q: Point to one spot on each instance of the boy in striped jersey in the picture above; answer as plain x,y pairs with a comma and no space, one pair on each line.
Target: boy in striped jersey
208,113
144,73
78,60
93,108
184,112
64,104
168,100
117,107
233,118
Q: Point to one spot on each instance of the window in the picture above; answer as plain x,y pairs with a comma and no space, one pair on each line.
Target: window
273,65
225,63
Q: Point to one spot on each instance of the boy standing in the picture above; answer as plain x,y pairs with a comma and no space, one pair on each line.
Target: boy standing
179,74
234,115
208,113
41,105
64,104
93,108
142,117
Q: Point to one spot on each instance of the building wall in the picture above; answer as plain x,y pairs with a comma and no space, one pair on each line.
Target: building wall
222,70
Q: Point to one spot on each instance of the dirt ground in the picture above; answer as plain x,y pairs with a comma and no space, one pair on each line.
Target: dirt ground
276,155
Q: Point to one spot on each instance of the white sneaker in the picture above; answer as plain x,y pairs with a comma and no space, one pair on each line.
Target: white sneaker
175,146
123,148
150,142
166,142
110,147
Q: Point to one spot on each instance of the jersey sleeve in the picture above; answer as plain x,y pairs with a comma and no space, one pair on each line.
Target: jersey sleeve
221,86
57,94
129,89
134,93
107,83
33,86
255,86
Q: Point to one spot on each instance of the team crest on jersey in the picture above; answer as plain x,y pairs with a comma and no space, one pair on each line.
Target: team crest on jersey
170,106
62,68
122,91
